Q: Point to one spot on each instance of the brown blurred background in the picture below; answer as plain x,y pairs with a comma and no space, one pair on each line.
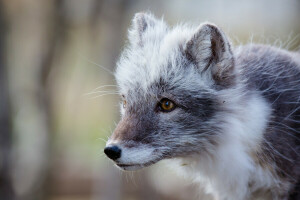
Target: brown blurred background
53,52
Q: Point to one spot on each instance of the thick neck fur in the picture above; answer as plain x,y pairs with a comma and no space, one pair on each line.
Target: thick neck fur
228,170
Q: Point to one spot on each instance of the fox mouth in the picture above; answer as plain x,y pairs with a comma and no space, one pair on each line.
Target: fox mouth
126,165
132,167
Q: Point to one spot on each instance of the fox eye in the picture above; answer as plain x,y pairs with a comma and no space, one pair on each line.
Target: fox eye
166,105
124,103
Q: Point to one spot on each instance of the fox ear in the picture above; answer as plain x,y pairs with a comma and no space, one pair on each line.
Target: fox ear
142,22
211,51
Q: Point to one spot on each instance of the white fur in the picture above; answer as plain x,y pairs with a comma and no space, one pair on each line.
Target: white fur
157,50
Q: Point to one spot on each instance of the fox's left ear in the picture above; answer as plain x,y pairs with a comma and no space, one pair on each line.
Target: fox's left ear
211,51
143,23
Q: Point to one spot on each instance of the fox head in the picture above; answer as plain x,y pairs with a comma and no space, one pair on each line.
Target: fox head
175,84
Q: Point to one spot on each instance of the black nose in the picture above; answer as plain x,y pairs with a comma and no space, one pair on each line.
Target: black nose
113,152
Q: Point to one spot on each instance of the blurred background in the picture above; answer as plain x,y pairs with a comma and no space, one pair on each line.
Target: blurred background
52,53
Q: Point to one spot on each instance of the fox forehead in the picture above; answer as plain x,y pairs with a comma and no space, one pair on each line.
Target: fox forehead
160,58
160,55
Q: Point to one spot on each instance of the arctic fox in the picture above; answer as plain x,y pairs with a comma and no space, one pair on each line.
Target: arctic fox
228,118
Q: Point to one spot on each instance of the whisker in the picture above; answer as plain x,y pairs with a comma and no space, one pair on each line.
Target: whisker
102,154
102,139
104,68
102,86
104,94
97,92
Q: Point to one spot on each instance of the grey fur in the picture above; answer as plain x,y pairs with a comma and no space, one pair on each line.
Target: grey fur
208,81
276,76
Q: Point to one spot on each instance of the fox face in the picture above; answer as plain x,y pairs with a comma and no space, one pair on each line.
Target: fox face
175,87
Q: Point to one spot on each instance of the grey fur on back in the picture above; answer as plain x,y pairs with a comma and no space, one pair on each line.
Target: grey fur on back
275,74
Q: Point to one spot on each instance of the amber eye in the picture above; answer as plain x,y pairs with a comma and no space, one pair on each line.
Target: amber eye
124,103
166,105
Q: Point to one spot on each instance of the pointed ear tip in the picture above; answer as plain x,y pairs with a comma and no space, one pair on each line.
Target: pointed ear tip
141,15
209,25
138,15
